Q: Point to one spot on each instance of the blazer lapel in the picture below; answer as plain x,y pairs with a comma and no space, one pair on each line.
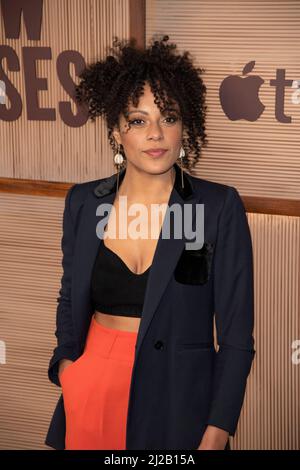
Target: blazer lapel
166,256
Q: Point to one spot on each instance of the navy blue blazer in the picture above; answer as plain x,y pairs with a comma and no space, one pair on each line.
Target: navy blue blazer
181,382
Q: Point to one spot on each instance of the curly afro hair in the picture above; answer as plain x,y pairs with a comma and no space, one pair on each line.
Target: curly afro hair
107,87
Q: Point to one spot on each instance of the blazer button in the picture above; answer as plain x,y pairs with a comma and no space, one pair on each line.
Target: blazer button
159,345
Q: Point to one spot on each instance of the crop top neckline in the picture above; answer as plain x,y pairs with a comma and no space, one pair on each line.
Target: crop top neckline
123,263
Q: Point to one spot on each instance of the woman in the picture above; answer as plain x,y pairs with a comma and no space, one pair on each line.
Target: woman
135,356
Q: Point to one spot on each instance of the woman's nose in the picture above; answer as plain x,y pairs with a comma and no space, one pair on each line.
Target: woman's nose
155,132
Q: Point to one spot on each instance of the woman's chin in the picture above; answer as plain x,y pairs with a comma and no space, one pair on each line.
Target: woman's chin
158,165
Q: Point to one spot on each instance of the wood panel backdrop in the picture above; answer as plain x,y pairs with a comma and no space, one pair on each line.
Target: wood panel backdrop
254,145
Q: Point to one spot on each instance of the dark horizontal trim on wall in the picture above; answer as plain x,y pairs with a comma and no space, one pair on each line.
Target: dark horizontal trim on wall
261,205
269,205
34,187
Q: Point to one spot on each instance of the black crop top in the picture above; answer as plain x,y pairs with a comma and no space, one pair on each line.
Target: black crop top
115,289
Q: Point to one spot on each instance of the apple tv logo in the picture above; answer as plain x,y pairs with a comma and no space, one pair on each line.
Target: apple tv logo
239,95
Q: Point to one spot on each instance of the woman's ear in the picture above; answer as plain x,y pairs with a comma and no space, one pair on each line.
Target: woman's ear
116,135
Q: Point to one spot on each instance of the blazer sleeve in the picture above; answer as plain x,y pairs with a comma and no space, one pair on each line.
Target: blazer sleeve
234,313
66,344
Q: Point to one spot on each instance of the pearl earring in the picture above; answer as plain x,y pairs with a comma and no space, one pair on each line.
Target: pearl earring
118,159
181,155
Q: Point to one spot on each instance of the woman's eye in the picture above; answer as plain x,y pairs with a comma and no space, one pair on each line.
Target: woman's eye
172,117
133,121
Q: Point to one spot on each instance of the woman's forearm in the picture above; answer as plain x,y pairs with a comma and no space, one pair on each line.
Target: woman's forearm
214,438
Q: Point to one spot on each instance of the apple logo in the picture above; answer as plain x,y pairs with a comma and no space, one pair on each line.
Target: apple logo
239,96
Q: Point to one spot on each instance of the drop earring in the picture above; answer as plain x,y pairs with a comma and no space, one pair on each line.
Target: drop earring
181,155
118,159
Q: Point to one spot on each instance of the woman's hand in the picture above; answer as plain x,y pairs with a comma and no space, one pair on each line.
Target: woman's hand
214,438
63,363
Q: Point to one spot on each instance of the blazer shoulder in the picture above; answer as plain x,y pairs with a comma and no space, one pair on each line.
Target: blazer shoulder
214,193
209,185
81,190
78,193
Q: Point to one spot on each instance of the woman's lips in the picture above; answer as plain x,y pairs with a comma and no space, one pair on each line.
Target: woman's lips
156,153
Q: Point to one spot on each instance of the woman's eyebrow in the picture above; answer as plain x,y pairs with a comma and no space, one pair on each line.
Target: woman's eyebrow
137,111
145,112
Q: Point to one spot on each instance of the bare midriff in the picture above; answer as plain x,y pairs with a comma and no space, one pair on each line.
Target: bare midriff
117,321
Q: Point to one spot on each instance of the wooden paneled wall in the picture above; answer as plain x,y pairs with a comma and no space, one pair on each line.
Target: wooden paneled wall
40,159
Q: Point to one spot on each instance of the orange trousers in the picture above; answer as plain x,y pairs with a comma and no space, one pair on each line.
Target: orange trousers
95,390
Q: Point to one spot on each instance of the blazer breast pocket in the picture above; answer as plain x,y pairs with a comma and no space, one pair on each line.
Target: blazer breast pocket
194,266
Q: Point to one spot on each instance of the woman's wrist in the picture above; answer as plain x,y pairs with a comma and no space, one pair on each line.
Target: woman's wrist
62,364
214,438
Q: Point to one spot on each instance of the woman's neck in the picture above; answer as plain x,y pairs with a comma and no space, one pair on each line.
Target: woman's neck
144,188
